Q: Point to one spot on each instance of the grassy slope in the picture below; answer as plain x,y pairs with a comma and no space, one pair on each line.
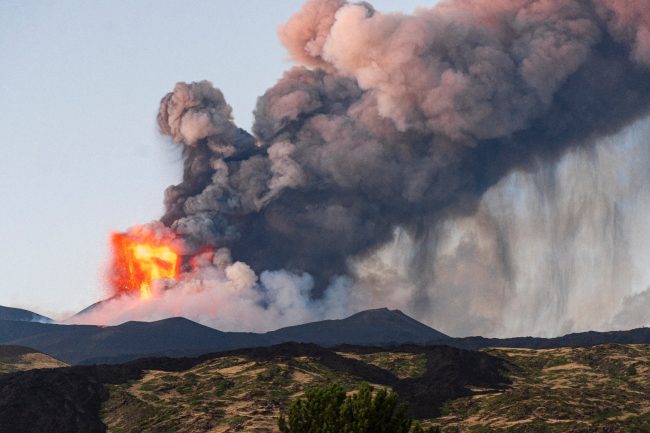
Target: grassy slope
219,395
602,389
599,389
16,358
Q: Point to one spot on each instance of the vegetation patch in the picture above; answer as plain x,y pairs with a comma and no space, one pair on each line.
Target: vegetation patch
602,389
561,390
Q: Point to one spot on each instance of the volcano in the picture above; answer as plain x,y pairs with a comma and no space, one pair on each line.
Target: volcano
389,127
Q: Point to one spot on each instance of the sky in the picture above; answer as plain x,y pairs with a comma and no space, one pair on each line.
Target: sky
80,83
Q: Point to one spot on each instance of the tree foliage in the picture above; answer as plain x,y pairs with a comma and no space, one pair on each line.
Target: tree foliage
330,410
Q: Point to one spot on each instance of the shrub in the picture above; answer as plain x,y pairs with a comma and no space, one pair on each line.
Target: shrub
329,410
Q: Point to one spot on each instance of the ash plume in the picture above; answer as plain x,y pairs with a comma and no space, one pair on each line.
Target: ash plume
394,122
397,119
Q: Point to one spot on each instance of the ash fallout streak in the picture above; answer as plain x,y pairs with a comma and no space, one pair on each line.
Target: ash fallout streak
389,122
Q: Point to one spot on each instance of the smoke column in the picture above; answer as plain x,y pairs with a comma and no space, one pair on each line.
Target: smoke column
412,150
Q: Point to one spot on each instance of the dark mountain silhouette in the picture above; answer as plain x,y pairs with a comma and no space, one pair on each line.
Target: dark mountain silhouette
377,327
579,339
76,344
89,344
8,313
15,351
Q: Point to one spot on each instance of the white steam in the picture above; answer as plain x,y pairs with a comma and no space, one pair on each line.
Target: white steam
228,296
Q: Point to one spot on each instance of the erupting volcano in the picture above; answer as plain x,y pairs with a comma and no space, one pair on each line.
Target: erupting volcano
141,257
382,169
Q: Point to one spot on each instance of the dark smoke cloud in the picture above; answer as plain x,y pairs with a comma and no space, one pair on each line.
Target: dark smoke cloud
398,120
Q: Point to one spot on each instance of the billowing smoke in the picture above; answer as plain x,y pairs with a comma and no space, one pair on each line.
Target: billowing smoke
557,249
390,132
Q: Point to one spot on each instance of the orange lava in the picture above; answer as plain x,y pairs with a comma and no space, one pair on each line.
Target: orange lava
139,260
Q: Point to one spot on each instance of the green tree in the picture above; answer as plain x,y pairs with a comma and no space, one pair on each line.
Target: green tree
329,410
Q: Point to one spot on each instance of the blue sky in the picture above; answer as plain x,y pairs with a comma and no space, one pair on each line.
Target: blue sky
80,83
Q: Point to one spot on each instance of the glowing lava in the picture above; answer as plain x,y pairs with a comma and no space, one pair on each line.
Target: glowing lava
139,259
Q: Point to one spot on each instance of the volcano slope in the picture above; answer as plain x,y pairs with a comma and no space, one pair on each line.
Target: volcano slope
19,358
602,389
241,390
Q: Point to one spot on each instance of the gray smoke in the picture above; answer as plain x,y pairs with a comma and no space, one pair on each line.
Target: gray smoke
399,121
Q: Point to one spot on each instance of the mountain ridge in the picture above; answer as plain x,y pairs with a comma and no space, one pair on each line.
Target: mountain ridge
180,337
19,314
177,336
359,330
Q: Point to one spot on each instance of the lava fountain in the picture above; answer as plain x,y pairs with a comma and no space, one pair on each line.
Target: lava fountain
140,257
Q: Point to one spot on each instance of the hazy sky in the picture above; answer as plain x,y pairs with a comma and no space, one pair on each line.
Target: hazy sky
80,83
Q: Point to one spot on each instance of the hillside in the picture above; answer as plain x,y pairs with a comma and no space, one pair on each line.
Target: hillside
361,328
242,389
602,389
578,390
88,344
8,313
19,358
